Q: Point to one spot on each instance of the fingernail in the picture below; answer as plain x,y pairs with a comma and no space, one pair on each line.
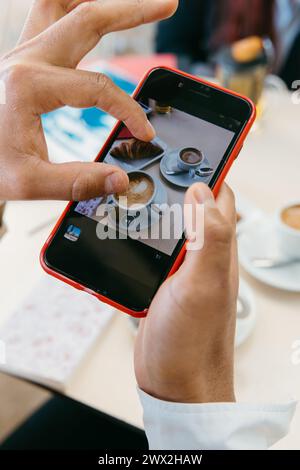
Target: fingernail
114,183
203,195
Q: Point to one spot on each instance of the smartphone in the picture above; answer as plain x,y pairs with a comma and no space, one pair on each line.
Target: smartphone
118,253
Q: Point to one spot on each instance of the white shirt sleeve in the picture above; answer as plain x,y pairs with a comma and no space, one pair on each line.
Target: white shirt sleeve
214,426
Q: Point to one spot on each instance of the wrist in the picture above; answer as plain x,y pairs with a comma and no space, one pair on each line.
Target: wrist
207,391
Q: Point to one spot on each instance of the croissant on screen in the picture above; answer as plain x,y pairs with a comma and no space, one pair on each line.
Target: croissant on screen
134,149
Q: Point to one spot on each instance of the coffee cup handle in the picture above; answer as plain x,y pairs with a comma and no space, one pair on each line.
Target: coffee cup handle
192,173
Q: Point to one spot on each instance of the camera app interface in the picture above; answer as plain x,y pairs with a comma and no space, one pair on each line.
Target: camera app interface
187,149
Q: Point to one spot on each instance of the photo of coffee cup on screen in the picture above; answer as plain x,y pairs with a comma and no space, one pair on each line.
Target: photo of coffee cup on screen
140,192
186,150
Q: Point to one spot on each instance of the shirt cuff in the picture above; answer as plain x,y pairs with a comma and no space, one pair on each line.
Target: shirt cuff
214,426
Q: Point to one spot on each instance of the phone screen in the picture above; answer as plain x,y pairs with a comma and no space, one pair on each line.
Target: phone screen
123,246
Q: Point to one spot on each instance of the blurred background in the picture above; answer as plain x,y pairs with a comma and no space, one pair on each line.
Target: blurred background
199,30
14,12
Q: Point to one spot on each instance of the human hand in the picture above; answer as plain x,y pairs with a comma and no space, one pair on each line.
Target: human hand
185,347
40,76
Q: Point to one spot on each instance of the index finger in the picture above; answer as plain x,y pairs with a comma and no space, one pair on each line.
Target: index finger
66,42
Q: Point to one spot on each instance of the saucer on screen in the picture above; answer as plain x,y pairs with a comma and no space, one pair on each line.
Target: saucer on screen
258,240
161,198
182,179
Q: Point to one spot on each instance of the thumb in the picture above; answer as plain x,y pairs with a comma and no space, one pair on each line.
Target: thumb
210,229
75,181
198,201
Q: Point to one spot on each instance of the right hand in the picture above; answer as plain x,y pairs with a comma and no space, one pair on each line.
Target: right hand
40,76
185,347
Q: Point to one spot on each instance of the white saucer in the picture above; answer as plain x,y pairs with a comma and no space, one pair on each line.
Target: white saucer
258,240
161,198
245,323
183,180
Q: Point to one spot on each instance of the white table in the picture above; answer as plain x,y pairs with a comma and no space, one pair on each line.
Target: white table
267,173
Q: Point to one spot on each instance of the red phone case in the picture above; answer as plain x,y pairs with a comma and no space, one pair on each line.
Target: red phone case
234,154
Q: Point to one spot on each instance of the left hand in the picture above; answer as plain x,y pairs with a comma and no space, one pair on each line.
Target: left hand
41,75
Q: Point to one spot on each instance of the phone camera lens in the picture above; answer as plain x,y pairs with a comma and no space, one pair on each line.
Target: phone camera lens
180,85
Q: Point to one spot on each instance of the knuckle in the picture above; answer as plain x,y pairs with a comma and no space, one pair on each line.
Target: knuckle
15,74
84,186
18,81
103,81
84,12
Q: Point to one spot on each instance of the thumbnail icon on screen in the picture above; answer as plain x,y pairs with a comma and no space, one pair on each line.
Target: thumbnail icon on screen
72,233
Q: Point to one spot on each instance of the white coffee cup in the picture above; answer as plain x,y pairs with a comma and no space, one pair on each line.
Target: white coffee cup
288,236
122,203
183,162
